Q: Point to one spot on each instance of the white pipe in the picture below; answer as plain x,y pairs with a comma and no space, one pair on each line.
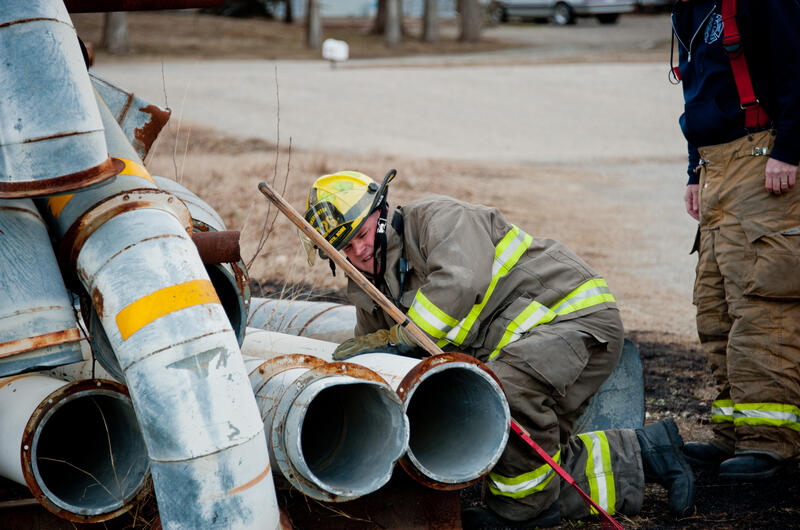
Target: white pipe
317,320
459,416
335,430
127,243
77,446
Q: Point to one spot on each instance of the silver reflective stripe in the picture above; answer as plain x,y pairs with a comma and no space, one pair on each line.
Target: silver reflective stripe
588,293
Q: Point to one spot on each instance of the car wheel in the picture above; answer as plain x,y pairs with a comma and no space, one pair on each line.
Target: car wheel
608,18
495,14
562,14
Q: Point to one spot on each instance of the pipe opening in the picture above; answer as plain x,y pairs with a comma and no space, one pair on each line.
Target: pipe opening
351,436
89,456
459,422
228,295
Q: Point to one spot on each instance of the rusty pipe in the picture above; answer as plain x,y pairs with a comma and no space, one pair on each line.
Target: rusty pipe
335,430
230,278
77,446
140,120
217,247
51,136
128,243
38,328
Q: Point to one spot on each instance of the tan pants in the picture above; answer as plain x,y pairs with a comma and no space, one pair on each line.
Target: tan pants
549,376
747,293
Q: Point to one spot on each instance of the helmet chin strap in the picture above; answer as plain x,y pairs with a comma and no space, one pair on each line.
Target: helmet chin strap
379,246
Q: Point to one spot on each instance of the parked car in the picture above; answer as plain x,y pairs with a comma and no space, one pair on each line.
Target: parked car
562,12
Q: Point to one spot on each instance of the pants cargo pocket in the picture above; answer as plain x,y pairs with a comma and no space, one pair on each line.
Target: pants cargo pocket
776,261
553,355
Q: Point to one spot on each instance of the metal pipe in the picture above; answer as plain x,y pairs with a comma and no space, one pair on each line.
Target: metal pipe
230,279
140,120
335,430
38,328
132,252
459,416
317,320
51,136
77,446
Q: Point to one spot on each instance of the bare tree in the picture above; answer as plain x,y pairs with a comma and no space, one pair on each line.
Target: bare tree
313,24
115,32
289,16
393,31
379,24
430,30
470,20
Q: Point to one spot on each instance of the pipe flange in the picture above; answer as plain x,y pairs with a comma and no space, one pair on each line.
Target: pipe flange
276,432
110,207
30,437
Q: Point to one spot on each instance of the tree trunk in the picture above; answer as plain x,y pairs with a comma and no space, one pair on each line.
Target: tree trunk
470,21
392,32
379,25
115,32
289,16
430,31
313,25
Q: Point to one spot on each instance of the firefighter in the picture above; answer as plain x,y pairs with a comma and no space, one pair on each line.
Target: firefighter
544,322
739,63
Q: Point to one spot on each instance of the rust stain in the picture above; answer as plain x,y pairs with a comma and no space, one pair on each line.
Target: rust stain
97,301
15,347
26,20
312,319
53,136
414,473
250,483
64,183
8,380
147,133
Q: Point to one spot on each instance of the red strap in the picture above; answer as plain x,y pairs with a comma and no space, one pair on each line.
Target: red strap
520,430
754,115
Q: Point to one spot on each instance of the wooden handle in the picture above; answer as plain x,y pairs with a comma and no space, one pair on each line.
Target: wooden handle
349,269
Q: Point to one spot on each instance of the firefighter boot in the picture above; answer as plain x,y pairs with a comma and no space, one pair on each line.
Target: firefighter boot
663,463
481,517
749,467
705,455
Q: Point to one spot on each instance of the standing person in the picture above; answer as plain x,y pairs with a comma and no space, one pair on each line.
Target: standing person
544,322
739,62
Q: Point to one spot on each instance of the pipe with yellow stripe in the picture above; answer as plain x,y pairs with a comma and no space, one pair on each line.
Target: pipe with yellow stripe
128,244
77,446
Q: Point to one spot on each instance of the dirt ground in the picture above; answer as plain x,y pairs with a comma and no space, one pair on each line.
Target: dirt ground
225,169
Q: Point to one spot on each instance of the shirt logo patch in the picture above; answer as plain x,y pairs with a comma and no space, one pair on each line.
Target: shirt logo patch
713,29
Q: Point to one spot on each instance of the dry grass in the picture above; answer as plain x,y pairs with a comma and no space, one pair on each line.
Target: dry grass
198,37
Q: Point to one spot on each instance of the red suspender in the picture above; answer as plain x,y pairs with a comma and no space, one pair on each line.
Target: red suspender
754,115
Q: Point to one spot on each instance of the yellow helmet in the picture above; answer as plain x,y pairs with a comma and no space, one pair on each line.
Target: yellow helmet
339,203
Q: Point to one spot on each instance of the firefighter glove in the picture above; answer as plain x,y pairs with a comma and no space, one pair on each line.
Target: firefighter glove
393,340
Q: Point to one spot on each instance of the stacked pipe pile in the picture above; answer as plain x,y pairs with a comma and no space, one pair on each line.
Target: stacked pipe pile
125,247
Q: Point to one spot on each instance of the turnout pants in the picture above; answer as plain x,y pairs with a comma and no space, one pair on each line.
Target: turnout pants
747,293
549,376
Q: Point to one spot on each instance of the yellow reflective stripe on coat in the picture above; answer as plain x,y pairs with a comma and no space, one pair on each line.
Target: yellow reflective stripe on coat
531,316
772,414
430,318
506,254
722,411
587,294
525,484
599,472
145,310
592,292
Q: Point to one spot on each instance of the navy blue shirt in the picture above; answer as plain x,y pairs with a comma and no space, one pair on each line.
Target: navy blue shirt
770,31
